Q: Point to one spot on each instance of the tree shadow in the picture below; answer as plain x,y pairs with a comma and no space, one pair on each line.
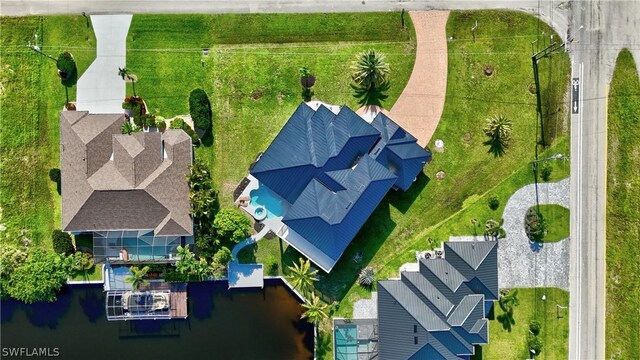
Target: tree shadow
71,79
495,148
47,314
92,305
207,138
507,320
371,96
201,300
8,308
366,244
402,200
248,254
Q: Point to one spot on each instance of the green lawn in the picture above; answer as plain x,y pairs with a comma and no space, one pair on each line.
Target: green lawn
95,273
505,344
261,55
31,98
557,220
623,212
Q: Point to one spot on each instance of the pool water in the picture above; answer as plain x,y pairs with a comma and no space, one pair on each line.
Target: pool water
347,343
264,197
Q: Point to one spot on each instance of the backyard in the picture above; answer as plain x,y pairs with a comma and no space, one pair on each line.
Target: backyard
623,212
32,96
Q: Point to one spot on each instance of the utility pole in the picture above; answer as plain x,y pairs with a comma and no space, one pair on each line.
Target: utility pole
37,49
546,52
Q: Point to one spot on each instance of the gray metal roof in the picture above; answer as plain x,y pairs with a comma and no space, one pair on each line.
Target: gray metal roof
442,306
112,181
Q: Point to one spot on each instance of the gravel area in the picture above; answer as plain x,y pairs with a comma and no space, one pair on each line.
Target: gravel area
366,308
523,263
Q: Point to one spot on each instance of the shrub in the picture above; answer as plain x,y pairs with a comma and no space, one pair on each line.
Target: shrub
177,124
545,172
54,175
205,244
535,225
192,134
126,128
200,109
38,278
231,225
62,242
222,256
150,121
367,277
535,326
161,124
493,202
82,261
535,344
65,64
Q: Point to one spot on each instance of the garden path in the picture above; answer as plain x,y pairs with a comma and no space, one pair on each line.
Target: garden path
419,107
100,89
248,241
522,263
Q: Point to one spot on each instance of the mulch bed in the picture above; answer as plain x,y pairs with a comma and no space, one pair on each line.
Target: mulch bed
238,191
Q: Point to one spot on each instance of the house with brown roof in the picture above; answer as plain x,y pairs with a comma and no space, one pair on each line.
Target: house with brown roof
130,192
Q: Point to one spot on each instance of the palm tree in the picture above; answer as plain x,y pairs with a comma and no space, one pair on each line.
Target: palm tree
315,310
493,229
137,276
509,301
369,69
302,276
126,128
187,263
127,75
498,129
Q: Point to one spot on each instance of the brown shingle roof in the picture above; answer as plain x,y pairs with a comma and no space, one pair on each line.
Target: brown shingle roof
112,181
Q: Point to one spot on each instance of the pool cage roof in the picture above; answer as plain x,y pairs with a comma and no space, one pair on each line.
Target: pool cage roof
137,305
139,246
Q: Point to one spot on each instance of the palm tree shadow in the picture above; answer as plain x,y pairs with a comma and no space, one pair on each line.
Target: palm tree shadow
507,320
371,96
495,148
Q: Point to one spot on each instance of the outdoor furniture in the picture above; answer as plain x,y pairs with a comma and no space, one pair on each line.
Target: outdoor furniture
243,200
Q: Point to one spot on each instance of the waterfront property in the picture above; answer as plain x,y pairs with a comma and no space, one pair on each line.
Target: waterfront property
129,191
437,309
325,173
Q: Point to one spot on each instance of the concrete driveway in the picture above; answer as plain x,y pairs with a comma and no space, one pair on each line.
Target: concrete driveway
100,89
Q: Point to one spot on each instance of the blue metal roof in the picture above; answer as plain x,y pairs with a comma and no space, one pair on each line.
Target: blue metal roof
334,169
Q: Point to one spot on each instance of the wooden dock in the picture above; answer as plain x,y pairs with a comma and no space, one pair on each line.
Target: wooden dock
177,297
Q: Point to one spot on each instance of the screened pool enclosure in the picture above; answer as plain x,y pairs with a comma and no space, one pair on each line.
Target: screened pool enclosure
139,246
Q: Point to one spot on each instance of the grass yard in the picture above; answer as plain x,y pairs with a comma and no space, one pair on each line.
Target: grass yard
95,273
31,97
623,212
557,219
251,73
401,224
505,344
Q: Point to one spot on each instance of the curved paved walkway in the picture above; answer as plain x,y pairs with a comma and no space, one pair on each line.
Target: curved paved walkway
248,241
525,264
100,89
420,105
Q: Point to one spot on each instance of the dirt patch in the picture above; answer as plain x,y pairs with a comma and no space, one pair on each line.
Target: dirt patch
488,70
257,94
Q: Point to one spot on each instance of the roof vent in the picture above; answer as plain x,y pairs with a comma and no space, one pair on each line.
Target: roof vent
349,205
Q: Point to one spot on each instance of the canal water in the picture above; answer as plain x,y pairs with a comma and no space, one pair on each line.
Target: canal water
222,324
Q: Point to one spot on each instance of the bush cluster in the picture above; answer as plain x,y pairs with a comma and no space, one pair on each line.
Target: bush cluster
200,109
66,64
535,225
62,243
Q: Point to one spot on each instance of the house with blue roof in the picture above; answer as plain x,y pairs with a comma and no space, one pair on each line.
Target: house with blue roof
437,309
329,170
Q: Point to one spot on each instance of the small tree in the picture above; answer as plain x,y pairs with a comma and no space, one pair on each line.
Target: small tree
493,202
231,225
493,229
223,256
367,277
535,344
39,278
301,276
205,243
62,243
535,327
137,277
200,109
369,74
316,311
307,79
498,129
187,263
535,225
66,65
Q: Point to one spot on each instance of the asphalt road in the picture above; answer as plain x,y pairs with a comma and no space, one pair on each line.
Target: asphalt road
599,29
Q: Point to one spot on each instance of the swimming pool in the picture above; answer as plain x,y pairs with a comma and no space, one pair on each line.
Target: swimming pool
262,197
346,342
